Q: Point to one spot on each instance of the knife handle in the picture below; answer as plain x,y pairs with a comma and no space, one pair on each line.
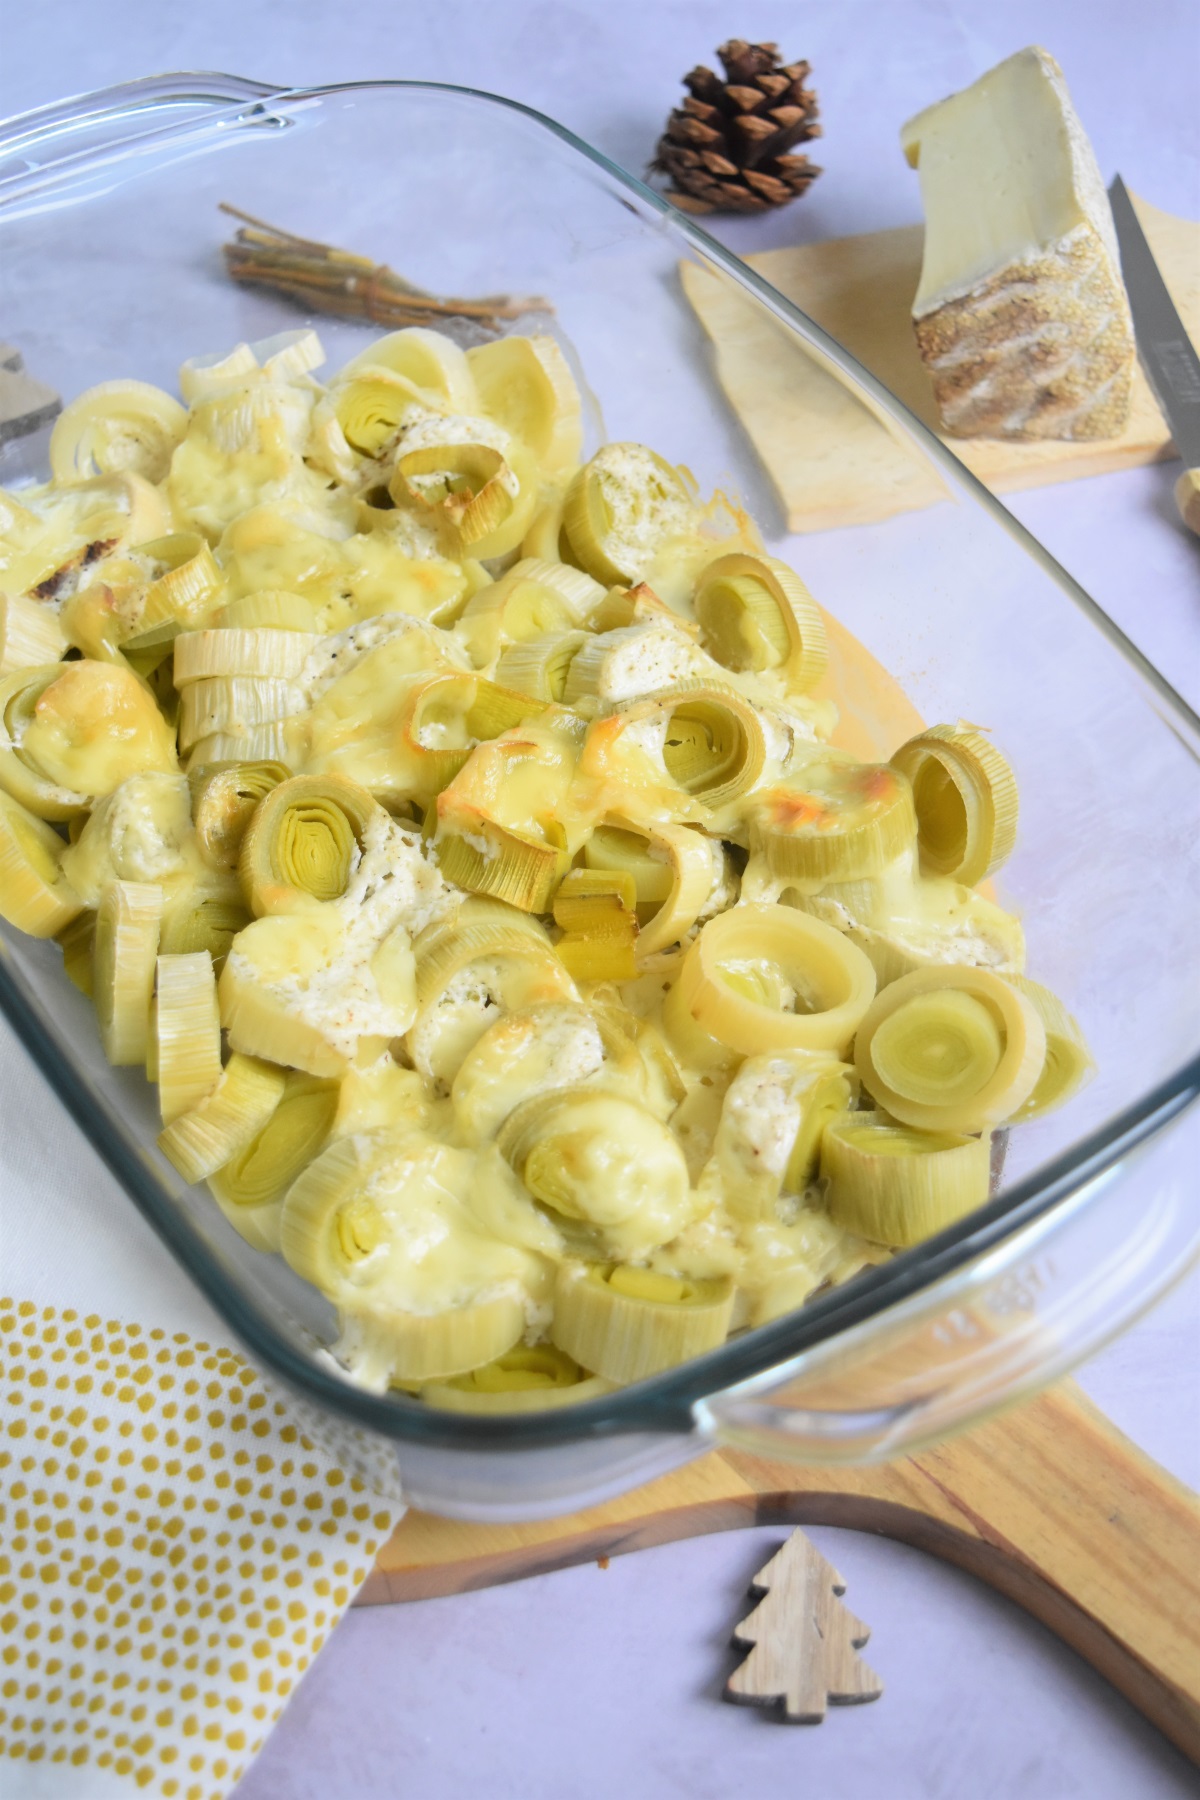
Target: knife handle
1187,499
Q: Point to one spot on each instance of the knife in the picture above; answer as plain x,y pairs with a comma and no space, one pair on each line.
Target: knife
1167,353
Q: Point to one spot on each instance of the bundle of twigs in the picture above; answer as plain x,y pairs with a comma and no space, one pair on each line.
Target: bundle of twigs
323,278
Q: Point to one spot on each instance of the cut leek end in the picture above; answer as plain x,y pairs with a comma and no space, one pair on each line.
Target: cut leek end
898,1186
1068,1065
629,1323
525,1379
965,796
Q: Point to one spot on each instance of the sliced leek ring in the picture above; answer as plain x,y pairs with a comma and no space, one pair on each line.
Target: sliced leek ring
124,958
526,385
304,842
72,732
30,634
506,825
371,406
596,910
773,1117
621,508
268,609
541,666
289,355
533,599
204,377
263,654
630,1323
232,704
895,1185
273,742
510,865
189,587
527,1378
340,1229
1068,1065
756,614
531,1051
834,820
489,960
951,1048
224,800
618,667
187,1031
201,920
76,942
965,795
200,1141
118,428
769,978
713,746
428,360
35,896
259,1173
603,1160
673,872
466,488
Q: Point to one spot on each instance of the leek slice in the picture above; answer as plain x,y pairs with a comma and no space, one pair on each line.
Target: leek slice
714,746
629,1323
1068,1065
118,428
533,599
428,360
673,870
223,803
268,609
596,910
532,1051
203,377
756,614
773,1118
35,896
368,1218
199,919
836,820
200,1141
124,955
526,385
965,795
490,960
602,1160
188,588
541,666
951,1049
527,1378
304,842
76,941
234,704
898,1186
504,824
769,978
72,732
263,654
258,1174
30,634
621,508
187,1032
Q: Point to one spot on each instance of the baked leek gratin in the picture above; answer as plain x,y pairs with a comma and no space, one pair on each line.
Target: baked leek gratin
452,830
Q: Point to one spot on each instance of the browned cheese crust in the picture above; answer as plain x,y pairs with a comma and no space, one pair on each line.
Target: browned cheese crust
1041,349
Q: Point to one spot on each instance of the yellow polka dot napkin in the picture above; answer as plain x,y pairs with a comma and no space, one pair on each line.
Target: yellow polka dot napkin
173,1553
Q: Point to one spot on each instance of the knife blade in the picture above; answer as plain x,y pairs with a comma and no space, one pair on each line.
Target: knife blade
1167,353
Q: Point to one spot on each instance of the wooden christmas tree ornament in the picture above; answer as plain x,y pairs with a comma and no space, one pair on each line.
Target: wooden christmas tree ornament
804,1642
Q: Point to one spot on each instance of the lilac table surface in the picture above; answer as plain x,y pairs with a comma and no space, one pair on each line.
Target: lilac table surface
594,1682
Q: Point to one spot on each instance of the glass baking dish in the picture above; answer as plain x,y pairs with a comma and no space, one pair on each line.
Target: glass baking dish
109,246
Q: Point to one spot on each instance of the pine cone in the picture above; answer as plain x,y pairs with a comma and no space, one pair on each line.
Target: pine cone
726,148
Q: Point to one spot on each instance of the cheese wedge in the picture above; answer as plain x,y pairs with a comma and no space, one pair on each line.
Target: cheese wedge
1021,316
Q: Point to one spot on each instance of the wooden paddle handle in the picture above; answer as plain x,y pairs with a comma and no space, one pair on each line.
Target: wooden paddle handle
1057,1509
1048,1503
1187,499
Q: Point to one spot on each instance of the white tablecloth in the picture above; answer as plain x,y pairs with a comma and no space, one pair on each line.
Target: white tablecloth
588,1682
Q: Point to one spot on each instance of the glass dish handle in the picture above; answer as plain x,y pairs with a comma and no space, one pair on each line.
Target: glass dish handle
997,1331
95,141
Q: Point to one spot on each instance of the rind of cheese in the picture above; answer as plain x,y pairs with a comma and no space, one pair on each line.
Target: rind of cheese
1021,316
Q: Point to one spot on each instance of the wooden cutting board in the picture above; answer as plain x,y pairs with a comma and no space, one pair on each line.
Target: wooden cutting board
1050,1504
834,462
